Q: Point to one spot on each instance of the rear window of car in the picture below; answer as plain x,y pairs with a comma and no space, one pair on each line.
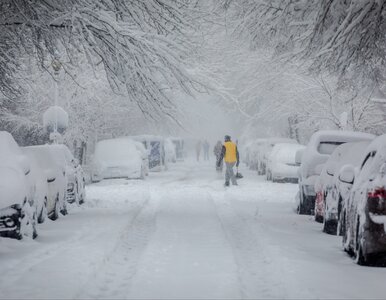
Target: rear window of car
328,147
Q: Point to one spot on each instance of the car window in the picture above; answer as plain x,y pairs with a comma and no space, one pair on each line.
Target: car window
328,147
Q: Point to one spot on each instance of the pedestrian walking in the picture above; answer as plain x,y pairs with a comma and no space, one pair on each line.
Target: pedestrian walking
230,155
206,147
217,152
198,149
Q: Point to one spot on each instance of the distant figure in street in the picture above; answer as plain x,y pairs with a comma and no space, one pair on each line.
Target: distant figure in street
206,147
198,149
217,152
230,155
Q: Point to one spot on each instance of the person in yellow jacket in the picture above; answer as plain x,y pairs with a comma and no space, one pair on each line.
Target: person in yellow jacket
230,155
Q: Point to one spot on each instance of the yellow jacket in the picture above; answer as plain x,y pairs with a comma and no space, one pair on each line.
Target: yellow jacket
230,152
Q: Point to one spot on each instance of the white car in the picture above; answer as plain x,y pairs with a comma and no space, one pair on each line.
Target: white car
117,158
265,150
74,173
56,178
17,204
318,150
281,164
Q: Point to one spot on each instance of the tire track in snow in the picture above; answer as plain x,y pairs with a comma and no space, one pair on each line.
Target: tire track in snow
259,265
113,276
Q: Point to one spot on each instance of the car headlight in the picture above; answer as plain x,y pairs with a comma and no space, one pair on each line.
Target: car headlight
9,222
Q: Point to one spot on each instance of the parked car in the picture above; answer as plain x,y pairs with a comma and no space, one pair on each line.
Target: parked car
170,151
264,150
328,198
155,146
55,174
117,158
365,210
17,204
281,164
318,150
76,191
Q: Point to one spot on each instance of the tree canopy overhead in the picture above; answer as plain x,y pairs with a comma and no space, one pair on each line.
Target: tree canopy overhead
141,44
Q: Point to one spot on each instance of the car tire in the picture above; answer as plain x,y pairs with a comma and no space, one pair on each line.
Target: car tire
64,210
43,212
359,257
55,214
329,227
27,225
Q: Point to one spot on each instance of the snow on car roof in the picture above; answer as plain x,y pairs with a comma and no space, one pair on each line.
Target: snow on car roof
8,144
42,154
116,149
285,152
339,136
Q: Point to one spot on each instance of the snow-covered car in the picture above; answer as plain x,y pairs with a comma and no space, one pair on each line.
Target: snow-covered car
328,198
155,146
252,153
170,151
55,175
281,164
74,173
117,158
264,150
321,145
364,226
18,216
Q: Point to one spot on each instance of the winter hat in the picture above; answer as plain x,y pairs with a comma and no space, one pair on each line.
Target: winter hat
227,138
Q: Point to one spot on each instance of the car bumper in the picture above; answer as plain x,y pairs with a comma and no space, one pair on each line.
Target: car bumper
10,218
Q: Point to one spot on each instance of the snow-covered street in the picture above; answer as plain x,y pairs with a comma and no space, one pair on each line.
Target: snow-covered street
181,234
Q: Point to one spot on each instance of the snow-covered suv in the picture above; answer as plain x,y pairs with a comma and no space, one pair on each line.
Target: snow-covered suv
318,150
17,204
365,212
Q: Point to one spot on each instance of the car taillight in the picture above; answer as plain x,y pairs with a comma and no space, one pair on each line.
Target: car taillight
377,193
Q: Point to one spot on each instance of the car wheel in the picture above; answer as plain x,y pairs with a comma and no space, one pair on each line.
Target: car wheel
64,210
329,227
27,223
360,259
55,214
43,212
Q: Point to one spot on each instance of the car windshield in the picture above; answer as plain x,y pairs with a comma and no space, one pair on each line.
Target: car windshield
328,147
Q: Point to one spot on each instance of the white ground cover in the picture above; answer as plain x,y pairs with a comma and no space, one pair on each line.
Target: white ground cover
181,234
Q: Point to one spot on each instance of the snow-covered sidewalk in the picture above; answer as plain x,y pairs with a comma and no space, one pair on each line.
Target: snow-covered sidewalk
181,234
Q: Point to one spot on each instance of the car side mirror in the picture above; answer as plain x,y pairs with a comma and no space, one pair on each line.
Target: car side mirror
298,156
347,174
330,170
